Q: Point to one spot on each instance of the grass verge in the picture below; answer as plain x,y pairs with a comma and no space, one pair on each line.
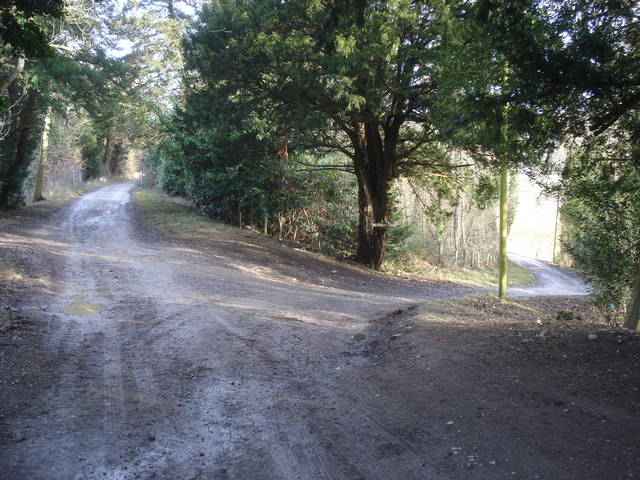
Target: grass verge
516,275
413,265
559,312
176,218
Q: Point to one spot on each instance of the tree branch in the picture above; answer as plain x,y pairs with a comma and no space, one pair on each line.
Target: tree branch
617,111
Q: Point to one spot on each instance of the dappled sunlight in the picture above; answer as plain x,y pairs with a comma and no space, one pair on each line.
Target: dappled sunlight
326,319
142,339
108,270
151,338
44,241
11,275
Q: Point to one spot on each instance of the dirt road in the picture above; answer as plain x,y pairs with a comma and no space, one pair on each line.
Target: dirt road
173,364
550,280
147,359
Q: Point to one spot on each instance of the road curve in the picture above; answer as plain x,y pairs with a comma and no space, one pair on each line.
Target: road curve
550,280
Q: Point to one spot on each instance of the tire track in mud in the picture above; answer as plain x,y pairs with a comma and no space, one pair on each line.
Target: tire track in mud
98,396
175,364
175,361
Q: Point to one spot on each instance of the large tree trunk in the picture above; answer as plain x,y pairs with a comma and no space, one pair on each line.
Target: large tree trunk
633,312
374,215
114,160
374,161
107,143
19,150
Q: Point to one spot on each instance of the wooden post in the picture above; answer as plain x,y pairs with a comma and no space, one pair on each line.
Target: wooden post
555,230
502,283
502,253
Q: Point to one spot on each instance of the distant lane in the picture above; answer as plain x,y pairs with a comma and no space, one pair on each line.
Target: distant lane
550,280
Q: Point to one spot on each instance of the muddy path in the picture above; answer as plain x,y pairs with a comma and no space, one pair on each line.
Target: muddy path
147,358
165,362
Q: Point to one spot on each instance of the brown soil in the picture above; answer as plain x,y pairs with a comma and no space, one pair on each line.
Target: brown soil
126,354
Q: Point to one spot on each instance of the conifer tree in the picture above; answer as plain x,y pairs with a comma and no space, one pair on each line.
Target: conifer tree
361,77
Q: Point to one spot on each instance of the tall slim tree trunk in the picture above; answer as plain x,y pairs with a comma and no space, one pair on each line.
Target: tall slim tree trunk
502,256
456,228
44,153
632,320
19,152
504,195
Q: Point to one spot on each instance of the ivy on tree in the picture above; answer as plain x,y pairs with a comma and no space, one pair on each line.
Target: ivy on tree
21,30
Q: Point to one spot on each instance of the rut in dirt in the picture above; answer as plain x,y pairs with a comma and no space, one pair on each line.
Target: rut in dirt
167,362
245,359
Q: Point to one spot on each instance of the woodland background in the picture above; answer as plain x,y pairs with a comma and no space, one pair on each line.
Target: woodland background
370,130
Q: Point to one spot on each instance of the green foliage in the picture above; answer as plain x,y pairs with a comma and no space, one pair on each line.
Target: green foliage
18,145
366,79
446,221
486,191
168,163
601,186
398,237
16,197
97,89
90,151
571,60
221,168
331,219
21,29
79,81
226,171
573,64
232,171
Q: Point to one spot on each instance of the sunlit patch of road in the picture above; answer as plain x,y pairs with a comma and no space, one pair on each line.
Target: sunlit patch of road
550,280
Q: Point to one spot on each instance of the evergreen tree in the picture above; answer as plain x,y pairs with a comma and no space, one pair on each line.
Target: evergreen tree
574,64
601,187
362,78
23,35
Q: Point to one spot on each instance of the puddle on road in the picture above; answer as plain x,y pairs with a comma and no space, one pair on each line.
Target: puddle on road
82,307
